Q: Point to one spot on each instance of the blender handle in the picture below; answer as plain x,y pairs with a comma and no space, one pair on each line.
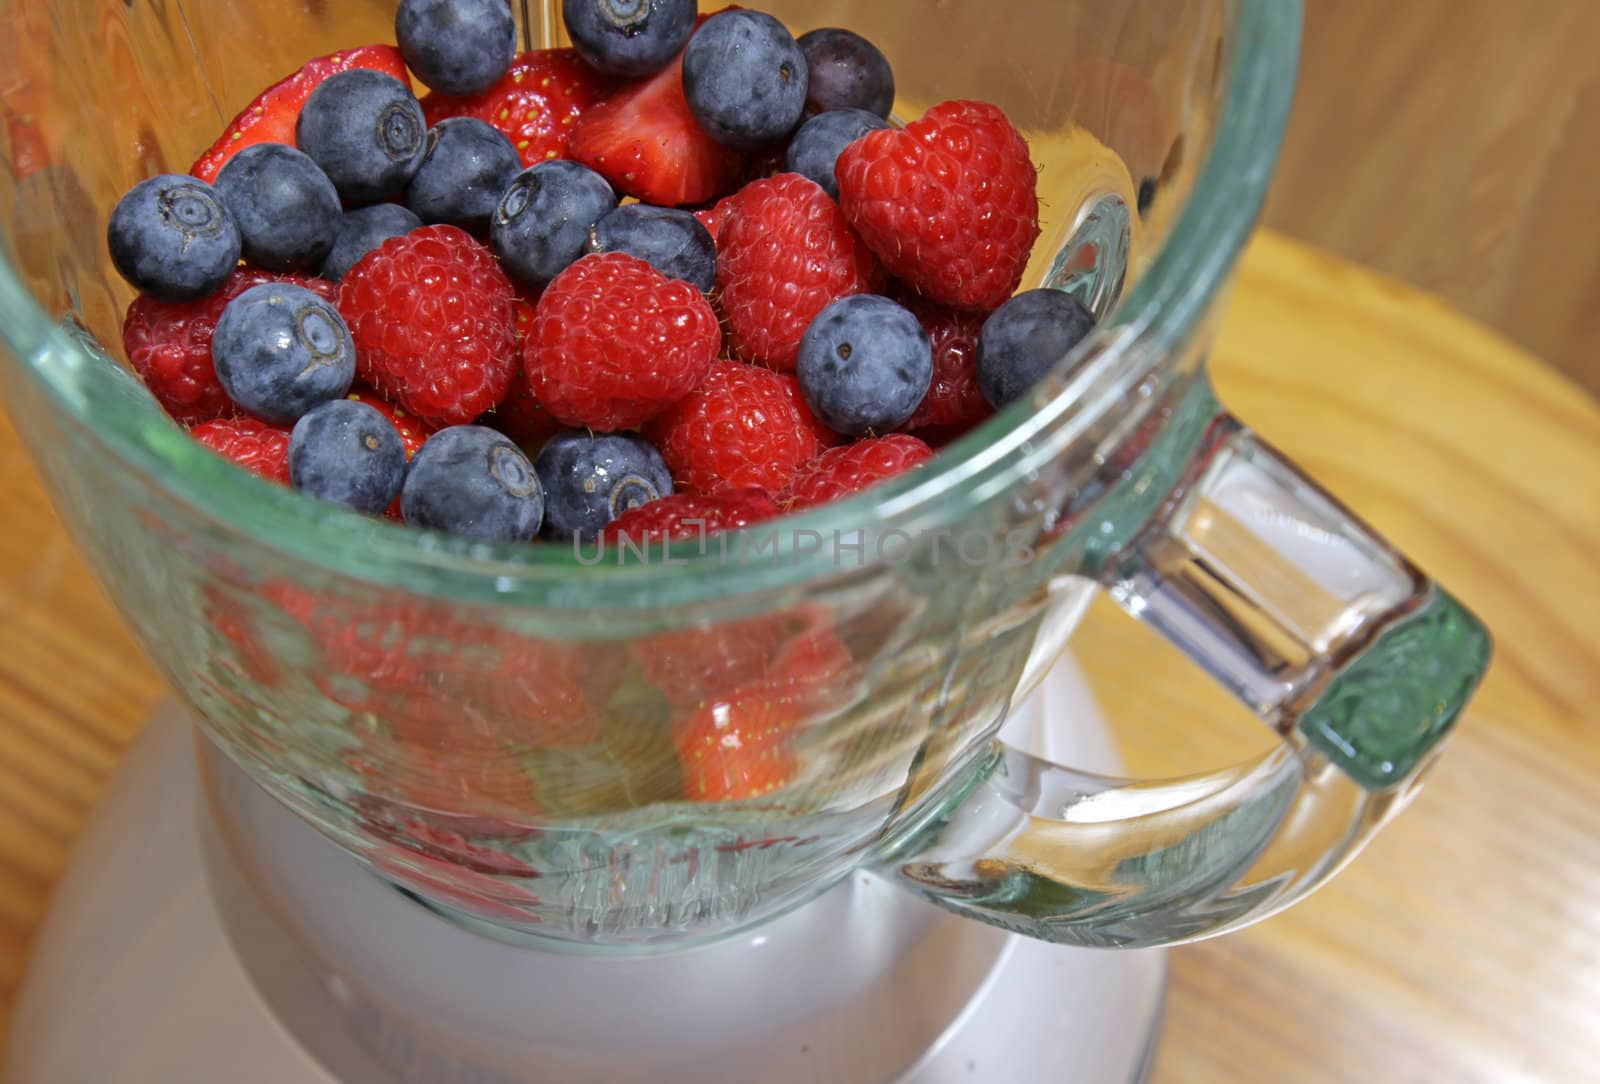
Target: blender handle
1330,636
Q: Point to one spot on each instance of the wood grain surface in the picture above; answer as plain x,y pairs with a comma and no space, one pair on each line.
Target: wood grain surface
1464,946
1455,144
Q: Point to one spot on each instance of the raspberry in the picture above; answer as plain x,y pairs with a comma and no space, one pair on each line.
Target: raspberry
713,218
784,252
841,472
536,104
743,428
954,398
615,342
690,515
169,345
255,445
950,204
431,314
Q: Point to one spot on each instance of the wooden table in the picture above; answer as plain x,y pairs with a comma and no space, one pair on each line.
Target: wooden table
1464,946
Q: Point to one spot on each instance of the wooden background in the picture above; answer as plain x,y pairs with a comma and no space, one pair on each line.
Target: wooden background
1455,144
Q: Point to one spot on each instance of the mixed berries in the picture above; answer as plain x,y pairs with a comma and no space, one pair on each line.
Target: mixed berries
683,277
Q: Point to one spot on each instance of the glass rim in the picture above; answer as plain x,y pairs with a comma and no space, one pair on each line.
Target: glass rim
1162,309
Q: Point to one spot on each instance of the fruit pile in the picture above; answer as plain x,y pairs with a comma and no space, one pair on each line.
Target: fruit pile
685,270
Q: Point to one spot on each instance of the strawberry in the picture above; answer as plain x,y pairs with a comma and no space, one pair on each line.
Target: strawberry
431,314
537,103
842,472
743,428
615,342
736,747
784,253
689,515
954,398
644,140
690,665
272,116
257,446
950,204
169,345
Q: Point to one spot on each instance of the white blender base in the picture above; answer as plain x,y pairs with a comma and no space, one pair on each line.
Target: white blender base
141,977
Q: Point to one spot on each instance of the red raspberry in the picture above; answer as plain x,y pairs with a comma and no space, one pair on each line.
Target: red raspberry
432,320
950,204
713,218
784,252
743,428
615,342
841,472
689,515
254,445
169,345
537,103
519,416
954,398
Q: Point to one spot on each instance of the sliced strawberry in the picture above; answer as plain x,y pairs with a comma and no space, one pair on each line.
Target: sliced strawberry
537,103
736,747
644,140
271,117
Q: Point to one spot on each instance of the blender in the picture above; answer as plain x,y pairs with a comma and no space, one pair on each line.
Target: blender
431,823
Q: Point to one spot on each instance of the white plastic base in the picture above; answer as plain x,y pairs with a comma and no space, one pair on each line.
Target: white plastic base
194,943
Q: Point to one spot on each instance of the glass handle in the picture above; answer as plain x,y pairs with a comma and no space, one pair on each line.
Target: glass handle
1335,640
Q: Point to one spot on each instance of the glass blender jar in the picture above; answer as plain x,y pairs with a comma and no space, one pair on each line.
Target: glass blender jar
490,728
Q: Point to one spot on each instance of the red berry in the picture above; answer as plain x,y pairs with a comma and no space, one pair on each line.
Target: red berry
714,217
615,342
519,416
432,320
691,665
644,140
736,746
784,253
169,345
744,428
690,515
254,445
954,398
950,204
271,118
537,103
840,472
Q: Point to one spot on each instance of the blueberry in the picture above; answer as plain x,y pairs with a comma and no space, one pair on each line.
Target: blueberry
628,38
279,350
365,129
847,72
364,229
285,207
745,78
467,168
865,365
815,148
456,46
543,221
173,238
1026,338
348,453
590,480
673,242
472,481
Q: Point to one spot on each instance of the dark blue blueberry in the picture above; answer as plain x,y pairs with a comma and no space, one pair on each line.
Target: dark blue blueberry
364,229
590,480
628,38
348,453
815,148
1026,338
673,242
473,481
468,167
173,238
543,221
286,209
365,129
456,46
279,350
847,72
745,78
865,365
